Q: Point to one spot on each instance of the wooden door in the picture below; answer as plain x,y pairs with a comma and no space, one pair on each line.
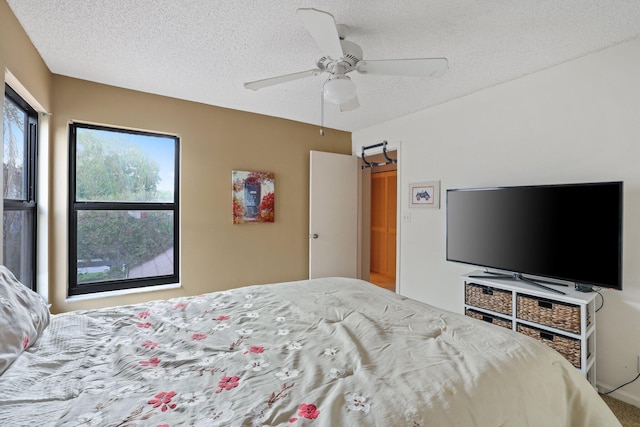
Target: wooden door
383,222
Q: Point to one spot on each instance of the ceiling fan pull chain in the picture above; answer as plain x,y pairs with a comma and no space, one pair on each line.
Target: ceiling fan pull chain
322,109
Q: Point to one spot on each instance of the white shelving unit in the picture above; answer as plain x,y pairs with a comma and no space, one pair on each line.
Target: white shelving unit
499,301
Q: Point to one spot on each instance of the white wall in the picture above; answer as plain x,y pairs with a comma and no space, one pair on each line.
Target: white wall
576,122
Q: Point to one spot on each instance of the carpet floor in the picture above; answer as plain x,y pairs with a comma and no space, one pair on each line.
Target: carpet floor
628,415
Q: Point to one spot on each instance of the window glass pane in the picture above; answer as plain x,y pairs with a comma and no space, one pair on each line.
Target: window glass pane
17,245
13,165
117,245
124,167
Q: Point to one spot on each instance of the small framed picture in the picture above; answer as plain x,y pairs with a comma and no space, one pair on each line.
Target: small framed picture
424,194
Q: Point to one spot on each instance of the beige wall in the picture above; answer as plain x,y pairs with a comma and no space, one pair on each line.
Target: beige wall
215,254
18,55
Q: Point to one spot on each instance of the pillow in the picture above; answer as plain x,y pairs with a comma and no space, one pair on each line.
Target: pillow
23,317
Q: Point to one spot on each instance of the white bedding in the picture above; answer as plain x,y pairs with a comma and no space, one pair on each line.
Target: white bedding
325,352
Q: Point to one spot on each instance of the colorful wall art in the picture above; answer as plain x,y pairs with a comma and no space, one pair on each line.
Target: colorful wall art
424,195
253,197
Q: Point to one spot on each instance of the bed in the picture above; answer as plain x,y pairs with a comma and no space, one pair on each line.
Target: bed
323,352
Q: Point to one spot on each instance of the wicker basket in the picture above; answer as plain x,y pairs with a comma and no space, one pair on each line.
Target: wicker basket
568,347
495,320
488,298
550,313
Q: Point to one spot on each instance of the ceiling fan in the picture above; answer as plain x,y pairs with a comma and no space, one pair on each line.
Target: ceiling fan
342,57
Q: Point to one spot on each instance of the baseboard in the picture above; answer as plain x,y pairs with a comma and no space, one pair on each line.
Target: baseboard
620,395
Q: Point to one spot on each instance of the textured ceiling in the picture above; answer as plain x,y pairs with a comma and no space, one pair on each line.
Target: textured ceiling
204,50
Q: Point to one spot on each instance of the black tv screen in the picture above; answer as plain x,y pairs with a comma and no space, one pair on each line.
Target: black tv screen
571,232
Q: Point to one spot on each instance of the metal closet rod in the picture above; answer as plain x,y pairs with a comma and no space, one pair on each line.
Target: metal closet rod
368,164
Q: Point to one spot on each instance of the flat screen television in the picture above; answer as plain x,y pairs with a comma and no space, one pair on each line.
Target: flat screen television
569,232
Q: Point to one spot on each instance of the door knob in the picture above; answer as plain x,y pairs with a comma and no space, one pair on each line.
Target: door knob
314,235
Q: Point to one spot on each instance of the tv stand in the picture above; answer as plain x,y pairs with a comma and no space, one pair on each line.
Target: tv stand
566,322
519,277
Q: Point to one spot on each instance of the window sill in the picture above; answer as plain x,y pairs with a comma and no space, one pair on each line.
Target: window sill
121,292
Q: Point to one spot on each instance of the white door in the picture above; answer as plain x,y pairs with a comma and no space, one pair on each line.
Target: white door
333,215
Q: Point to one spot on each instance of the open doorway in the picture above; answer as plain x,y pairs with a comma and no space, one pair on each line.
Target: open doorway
379,187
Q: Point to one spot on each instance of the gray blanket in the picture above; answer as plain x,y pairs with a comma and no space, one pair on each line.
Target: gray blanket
324,352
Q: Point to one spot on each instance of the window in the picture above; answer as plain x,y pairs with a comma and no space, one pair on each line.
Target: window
123,195
19,189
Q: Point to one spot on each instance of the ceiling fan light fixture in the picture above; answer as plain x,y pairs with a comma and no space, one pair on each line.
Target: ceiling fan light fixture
339,89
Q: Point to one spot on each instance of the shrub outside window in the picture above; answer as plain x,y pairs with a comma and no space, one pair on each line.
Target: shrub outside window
123,209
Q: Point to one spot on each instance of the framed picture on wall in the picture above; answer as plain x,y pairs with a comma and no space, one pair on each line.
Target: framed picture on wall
424,194
253,197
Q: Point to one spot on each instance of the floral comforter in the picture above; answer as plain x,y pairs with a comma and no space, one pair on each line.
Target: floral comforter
325,352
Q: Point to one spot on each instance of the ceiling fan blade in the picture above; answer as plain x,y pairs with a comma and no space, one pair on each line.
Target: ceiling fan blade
429,67
322,28
259,84
349,105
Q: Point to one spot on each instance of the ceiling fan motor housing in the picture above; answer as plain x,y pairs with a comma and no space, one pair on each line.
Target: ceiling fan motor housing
352,55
